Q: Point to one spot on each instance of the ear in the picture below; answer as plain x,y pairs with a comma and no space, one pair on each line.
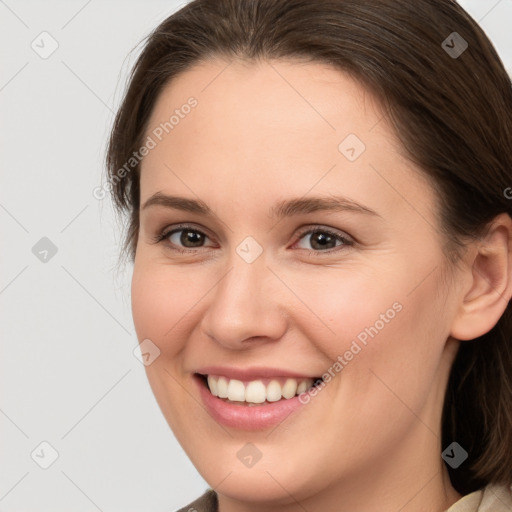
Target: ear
489,277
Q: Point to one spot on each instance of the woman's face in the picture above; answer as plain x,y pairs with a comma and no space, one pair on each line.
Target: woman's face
311,250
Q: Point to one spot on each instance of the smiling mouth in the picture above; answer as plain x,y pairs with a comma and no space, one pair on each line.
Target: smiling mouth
257,392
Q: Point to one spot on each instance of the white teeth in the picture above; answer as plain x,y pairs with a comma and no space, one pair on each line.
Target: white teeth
303,385
289,388
236,390
256,392
222,387
273,391
212,384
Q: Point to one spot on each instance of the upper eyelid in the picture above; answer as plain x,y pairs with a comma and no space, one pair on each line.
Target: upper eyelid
302,231
167,232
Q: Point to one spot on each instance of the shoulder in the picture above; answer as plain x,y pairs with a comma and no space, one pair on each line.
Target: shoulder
496,498
207,502
492,498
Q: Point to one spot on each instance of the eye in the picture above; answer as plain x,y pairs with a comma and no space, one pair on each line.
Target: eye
185,236
324,240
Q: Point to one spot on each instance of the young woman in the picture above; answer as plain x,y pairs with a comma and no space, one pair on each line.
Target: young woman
319,198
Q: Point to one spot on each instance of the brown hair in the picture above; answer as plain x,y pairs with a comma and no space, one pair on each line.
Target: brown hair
452,113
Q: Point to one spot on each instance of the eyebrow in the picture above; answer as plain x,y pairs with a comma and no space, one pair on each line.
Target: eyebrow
284,208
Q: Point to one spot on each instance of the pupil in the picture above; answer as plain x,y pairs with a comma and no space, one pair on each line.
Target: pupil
322,239
190,236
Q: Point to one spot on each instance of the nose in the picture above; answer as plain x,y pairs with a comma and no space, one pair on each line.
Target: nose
246,307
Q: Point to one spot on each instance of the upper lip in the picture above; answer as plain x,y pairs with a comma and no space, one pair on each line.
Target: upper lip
251,373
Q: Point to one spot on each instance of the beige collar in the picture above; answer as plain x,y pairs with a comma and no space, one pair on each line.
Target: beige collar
493,498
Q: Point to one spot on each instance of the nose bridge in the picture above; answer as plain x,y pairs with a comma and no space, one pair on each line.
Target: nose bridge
243,302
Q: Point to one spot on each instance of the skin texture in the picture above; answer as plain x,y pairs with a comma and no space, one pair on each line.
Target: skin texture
268,131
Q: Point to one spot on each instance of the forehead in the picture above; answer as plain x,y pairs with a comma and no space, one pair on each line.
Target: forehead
266,128
286,97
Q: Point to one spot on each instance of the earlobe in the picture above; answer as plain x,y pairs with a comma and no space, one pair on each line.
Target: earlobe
490,278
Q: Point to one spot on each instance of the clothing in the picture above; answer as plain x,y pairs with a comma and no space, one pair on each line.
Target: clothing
492,498
205,503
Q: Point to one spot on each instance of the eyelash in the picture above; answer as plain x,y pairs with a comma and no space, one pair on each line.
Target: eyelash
164,234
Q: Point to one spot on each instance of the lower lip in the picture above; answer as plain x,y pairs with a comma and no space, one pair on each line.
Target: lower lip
244,417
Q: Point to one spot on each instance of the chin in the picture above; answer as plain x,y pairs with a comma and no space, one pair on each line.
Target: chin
279,483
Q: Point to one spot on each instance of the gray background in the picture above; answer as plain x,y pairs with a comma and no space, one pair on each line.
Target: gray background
68,373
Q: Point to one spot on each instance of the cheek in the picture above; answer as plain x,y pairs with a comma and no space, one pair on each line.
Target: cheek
348,306
387,339
160,302
159,309
399,348
147,298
